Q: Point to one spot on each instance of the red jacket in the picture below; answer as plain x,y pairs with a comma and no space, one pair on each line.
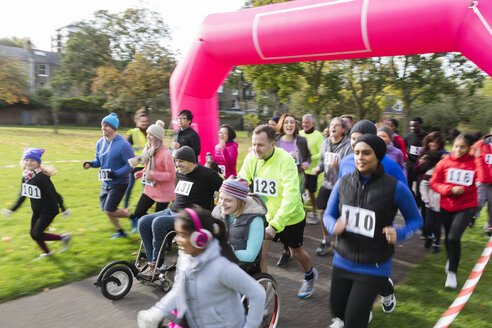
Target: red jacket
227,156
401,144
442,173
483,159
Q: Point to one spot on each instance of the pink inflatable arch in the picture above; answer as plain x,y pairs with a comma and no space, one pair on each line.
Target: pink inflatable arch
307,30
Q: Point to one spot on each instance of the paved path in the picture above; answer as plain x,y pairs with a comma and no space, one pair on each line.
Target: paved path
81,304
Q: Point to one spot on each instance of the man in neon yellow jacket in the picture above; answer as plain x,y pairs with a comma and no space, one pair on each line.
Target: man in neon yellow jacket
272,174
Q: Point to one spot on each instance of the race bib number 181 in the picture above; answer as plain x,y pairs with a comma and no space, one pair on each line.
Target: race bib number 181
265,187
359,220
30,191
461,177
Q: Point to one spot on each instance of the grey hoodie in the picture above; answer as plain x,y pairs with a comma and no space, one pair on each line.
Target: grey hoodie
330,160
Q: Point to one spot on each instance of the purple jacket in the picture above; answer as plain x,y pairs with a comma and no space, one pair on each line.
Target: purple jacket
396,155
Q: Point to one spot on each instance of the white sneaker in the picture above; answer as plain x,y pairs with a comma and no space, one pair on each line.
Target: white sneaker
44,255
66,242
307,288
336,323
312,219
451,280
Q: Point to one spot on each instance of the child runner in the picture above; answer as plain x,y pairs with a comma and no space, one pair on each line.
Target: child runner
454,178
208,285
37,185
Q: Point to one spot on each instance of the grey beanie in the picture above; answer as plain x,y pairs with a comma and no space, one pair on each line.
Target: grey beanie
387,130
375,142
364,127
186,153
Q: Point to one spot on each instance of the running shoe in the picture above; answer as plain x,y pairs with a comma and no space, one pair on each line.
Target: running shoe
118,235
134,228
283,260
307,288
428,241
451,280
44,255
436,248
388,303
312,219
66,242
322,249
336,323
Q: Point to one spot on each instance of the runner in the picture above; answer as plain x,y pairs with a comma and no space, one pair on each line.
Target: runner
185,135
226,151
314,140
244,217
391,151
158,174
137,138
483,161
208,285
45,201
112,155
272,173
360,213
333,150
454,178
392,123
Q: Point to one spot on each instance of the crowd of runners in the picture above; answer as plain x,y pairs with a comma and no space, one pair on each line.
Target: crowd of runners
226,217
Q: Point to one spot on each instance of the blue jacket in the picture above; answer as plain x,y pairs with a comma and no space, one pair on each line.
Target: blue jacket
115,158
347,166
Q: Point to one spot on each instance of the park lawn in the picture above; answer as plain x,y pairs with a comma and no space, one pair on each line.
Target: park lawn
421,300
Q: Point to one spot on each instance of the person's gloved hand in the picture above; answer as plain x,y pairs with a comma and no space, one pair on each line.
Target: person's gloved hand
149,318
87,165
6,212
111,175
66,212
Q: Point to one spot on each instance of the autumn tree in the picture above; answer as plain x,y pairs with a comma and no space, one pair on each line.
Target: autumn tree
13,81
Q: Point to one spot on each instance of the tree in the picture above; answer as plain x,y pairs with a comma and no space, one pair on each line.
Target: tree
84,53
13,81
14,42
424,78
135,30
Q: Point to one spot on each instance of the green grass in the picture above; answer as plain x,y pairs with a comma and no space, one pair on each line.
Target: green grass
421,300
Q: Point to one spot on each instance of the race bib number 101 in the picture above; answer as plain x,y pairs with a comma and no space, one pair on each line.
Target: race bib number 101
359,220
461,177
103,175
30,191
265,187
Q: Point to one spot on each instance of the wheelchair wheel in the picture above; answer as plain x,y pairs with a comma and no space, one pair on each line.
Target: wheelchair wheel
117,282
272,304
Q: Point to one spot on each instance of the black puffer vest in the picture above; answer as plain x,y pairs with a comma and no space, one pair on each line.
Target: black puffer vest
238,230
378,195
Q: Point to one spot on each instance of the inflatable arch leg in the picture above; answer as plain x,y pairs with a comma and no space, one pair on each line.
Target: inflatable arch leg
308,30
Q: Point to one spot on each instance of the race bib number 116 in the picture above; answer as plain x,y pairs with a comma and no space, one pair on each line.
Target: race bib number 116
461,177
359,220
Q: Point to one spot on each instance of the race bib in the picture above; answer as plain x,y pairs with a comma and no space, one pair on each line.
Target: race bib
145,182
30,191
359,220
222,169
460,177
265,187
103,175
331,158
488,158
414,150
183,188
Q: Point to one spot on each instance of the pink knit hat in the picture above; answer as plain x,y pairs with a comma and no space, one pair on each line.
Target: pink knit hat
236,187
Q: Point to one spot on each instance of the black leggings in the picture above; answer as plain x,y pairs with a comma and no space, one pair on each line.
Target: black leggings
455,224
433,224
39,223
352,296
144,203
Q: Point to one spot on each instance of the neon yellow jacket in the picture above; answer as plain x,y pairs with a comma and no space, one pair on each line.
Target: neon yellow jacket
285,209
314,141
139,140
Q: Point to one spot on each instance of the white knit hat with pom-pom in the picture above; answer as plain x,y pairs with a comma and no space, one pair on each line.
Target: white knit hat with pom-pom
157,130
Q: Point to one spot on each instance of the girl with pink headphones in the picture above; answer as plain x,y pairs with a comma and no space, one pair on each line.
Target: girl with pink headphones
208,282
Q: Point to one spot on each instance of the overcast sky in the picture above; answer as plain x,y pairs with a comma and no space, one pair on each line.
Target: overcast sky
39,19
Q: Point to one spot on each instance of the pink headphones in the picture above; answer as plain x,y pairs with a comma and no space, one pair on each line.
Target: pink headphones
201,237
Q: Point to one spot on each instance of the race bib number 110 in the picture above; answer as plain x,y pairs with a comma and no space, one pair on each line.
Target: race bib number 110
359,220
265,187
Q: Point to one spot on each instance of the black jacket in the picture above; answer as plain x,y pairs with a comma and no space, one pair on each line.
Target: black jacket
188,137
376,195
